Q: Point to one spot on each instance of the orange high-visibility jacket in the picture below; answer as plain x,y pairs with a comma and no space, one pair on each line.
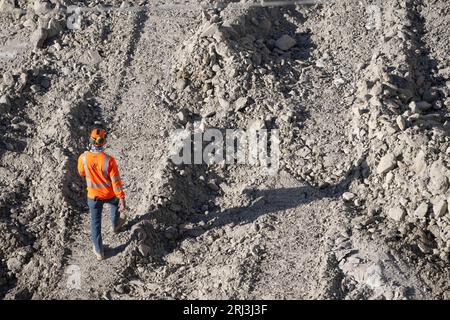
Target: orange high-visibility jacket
102,175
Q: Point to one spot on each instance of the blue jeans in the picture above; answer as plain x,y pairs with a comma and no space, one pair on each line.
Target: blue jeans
95,209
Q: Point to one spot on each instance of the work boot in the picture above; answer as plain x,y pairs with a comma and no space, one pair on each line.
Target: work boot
118,227
99,256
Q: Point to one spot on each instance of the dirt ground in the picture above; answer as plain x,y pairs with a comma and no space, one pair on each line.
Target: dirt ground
358,91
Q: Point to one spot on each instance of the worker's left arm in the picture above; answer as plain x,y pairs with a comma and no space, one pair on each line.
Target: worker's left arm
116,180
81,167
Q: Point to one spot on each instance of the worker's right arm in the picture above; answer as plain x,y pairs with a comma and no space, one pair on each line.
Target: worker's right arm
81,167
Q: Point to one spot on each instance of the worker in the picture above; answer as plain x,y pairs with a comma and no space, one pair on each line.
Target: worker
104,185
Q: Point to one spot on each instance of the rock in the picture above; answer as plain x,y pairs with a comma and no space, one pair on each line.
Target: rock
180,84
447,103
14,264
183,116
210,31
439,208
213,186
445,73
171,233
438,179
125,4
176,258
434,230
421,210
240,103
419,106
255,227
35,88
285,42
5,103
223,50
348,196
23,79
358,202
321,63
8,79
144,249
92,57
420,164
139,233
30,24
223,103
287,118
339,82
41,7
396,213
354,260
424,247
386,164
38,37
7,5
54,28
57,47
121,289
401,123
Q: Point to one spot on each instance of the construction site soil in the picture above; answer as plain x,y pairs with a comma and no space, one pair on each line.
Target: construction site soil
356,208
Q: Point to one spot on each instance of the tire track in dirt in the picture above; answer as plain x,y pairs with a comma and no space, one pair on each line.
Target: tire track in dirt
299,262
39,143
401,69
429,56
139,125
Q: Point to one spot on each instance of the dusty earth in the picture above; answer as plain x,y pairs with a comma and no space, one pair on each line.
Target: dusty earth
358,91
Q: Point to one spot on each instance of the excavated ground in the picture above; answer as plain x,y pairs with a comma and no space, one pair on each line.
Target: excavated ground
358,208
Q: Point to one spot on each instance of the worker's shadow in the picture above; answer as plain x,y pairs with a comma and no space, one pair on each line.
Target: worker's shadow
278,200
113,251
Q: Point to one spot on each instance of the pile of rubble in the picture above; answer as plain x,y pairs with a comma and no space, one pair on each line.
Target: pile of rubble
401,120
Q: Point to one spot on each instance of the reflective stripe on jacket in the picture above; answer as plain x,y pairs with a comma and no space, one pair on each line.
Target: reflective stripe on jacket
102,175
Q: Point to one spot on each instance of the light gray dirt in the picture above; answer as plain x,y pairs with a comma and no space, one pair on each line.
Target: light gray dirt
358,208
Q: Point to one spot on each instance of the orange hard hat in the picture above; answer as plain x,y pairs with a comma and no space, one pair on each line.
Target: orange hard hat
98,137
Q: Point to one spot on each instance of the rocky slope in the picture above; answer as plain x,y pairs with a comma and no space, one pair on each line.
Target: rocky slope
356,208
